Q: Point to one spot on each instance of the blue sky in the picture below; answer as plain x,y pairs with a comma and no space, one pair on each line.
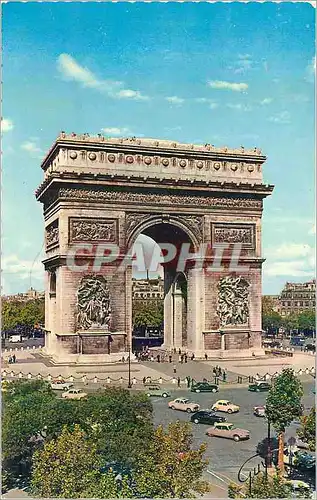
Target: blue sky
226,73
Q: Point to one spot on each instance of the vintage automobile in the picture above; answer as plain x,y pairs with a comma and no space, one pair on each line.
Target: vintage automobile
184,404
61,385
228,431
204,387
259,411
259,387
226,406
156,390
206,417
74,394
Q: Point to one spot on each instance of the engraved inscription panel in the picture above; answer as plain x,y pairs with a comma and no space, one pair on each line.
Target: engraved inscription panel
234,233
89,229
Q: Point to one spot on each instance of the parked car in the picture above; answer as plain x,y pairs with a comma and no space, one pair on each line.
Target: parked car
228,431
226,406
156,390
259,387
206,417
259,411
74,394
15,338
183,404
59,385
310,347
297,341
204,387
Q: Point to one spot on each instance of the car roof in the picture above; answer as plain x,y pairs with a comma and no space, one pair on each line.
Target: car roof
222,423
223,401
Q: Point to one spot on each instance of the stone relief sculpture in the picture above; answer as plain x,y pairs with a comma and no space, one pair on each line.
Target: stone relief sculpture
233,301
93,303
92,230
233,234
52,234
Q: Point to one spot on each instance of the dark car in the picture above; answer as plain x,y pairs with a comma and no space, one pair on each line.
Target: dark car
259,387
204,387
206,417
310,347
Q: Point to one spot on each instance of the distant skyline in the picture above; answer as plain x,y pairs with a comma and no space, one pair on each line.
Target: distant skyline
224,73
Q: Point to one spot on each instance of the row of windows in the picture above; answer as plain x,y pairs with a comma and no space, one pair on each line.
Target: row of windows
147,295
298,295
299,304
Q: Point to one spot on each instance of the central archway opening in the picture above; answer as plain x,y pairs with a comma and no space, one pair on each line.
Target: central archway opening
159,291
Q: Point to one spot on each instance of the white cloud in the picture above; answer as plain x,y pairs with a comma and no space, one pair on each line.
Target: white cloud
6,125
284,117
266,100
239,107
72,70
290,259
31,147
116,131
23,268
290,251
175,100
222,85
213,105
291,269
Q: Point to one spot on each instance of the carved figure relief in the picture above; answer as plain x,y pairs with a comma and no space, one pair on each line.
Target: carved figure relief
233,301
233,233
52,234
93,303
92,230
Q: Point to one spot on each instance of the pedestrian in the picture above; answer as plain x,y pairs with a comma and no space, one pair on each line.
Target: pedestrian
214,371
179,358
178,382
170,359
174,350
152,358
10,359
179,351
185,358
188,381
224,376
158,358
13,358
219,371
174,369
206,356
192,357
182,358
144,380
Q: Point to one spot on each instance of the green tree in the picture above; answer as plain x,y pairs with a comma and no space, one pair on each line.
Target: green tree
265,487
307,321
271,321
171,468
290,322
26,313
65,467
307,431
283,405
147,313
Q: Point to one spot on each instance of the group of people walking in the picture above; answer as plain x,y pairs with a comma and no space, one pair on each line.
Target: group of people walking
12,359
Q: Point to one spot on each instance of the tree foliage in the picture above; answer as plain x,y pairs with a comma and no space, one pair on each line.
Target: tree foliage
119,423
283,405
171,468
147,313
26,313
264,487
307,431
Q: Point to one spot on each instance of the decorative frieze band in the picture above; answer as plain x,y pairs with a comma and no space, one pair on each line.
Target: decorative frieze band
234,233
156,198
52,235
92,229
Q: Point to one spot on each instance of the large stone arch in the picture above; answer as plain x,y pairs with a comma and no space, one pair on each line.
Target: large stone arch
98,190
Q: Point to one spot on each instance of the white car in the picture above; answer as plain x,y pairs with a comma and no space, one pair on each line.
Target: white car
61,385
74,394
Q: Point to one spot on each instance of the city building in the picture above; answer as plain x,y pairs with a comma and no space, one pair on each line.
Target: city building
148,289
31,294
295,298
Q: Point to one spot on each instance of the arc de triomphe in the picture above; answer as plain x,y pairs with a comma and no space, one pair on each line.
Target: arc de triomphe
99,191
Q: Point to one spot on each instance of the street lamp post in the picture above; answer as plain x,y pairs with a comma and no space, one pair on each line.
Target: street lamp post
129,367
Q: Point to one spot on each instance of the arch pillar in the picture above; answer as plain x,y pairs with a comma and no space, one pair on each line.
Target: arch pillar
195,310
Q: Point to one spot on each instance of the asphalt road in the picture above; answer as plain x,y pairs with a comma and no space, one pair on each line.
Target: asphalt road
226,456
